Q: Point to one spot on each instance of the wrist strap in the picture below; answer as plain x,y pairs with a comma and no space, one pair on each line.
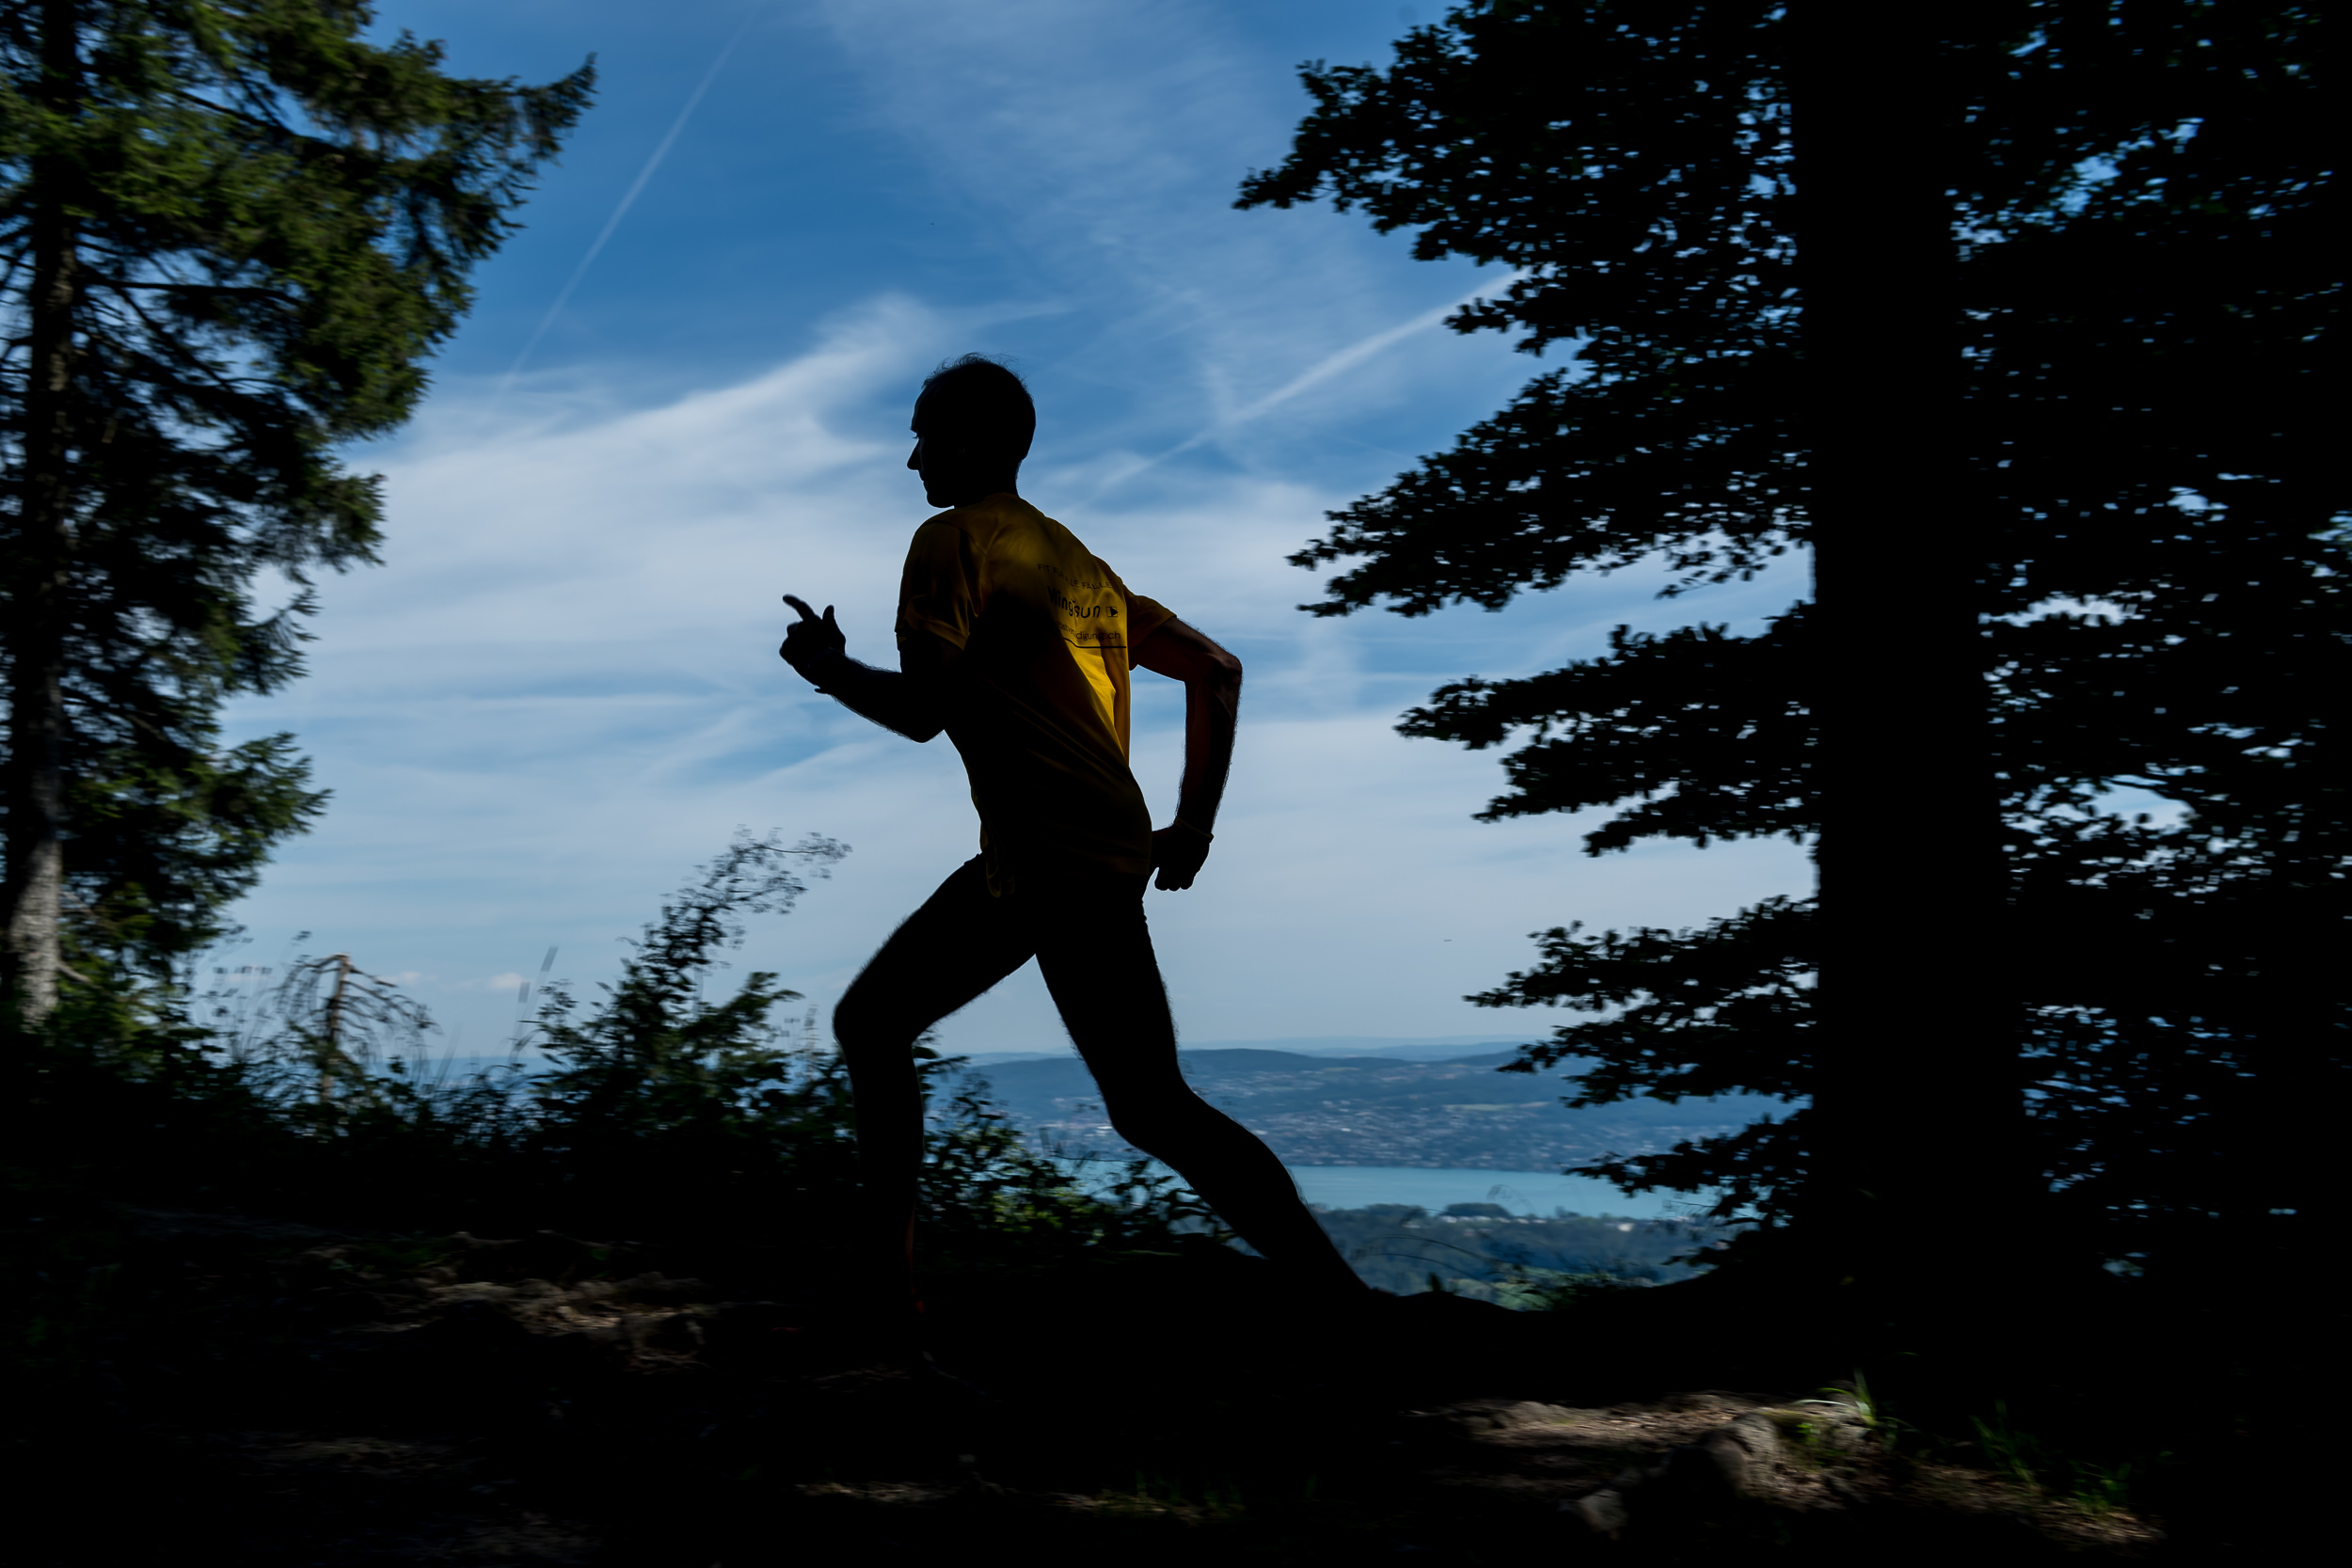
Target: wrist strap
1206,835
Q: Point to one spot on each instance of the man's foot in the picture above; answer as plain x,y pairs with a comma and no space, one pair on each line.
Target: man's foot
950,1383
1437,1307
1381,1324
1374,1309
884,1343
880,1337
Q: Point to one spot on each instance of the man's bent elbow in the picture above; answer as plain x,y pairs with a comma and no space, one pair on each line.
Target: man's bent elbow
1225,671
1225,681
922,727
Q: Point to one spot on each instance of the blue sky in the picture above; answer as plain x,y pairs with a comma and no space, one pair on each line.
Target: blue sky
561,690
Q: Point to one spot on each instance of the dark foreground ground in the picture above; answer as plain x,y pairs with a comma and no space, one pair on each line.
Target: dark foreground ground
226,1388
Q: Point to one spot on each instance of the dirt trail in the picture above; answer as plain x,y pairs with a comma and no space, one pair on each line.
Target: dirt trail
277,1394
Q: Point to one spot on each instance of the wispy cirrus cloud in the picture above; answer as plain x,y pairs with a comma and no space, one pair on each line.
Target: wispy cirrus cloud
1105,144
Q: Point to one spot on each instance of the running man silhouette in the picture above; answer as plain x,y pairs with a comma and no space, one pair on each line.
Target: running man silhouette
1016,641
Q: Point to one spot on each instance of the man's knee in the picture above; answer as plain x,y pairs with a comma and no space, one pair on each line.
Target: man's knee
863,1023
1169,1123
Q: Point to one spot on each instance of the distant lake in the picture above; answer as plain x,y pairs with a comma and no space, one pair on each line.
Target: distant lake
1522,1192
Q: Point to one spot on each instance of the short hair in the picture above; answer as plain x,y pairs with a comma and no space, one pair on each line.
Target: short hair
983,399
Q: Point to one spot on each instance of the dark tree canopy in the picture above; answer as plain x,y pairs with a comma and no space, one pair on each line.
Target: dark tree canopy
2141,195
231,231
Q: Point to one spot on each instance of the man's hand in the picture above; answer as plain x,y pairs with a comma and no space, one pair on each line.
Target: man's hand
1212,680
811,644
1177,854
911,701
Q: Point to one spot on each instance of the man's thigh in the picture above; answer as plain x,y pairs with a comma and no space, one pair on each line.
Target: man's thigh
950,951
1095,949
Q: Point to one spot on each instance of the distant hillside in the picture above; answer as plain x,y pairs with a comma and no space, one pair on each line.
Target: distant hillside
1425,1049
1411,1048
1316,1110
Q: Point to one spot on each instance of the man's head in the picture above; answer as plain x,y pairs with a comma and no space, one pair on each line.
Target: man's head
973,425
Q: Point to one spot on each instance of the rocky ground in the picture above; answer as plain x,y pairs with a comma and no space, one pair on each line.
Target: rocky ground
262,1393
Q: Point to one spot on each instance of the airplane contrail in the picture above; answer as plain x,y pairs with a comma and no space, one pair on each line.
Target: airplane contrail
1322,370
621,212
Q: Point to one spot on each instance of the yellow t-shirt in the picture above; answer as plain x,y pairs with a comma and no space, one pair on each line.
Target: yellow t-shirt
1038,707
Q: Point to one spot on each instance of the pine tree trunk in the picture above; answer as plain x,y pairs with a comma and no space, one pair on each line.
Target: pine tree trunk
1918,1103
32,788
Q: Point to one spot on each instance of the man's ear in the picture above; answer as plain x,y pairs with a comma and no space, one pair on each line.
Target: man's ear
974,450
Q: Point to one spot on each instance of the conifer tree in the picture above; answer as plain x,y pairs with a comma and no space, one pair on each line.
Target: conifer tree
2099,545
231,231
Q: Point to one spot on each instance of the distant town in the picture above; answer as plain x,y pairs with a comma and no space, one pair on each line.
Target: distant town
1459,1114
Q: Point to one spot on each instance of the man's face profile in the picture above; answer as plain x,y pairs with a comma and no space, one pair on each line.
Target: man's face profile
957,465
923,459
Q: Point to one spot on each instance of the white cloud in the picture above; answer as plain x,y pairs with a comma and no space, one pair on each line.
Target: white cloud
563,690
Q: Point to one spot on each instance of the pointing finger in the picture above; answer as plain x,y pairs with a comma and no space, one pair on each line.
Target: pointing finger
802,604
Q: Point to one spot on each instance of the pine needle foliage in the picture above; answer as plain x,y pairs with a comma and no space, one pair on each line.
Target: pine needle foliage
2142,198
668,1109
232,233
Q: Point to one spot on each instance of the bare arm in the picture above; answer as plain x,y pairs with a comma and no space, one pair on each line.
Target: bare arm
911,700
1212,680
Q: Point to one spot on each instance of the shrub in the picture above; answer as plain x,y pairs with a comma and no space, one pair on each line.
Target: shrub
662,1115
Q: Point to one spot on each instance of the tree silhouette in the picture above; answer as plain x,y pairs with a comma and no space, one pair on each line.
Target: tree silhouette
2016,316
230,234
